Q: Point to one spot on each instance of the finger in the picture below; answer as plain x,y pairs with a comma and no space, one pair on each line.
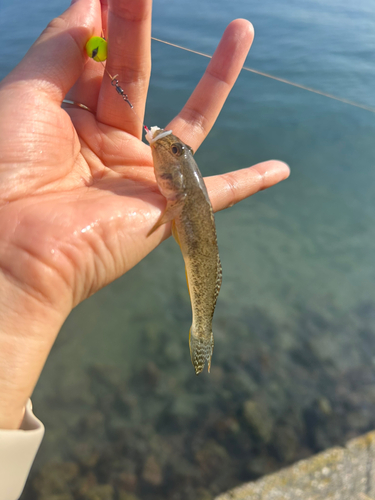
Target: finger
200,112
129,57
104,8
228,189
57,58
87,87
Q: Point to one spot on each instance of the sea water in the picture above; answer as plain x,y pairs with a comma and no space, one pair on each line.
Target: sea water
293,369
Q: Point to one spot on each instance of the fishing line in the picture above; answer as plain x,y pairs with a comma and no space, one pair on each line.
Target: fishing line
121,92
272,77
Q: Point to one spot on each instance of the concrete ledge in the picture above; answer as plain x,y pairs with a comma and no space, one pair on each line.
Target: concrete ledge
337,474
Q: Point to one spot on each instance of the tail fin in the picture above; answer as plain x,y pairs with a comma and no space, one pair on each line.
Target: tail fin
201,348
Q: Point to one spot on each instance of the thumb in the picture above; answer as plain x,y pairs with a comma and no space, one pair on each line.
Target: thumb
56,59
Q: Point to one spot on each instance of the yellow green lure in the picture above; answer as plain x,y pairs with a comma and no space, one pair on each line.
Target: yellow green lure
96,48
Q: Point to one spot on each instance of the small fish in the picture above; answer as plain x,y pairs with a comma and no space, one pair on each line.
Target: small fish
193,227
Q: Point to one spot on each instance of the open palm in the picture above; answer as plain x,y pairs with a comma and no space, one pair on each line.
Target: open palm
77,189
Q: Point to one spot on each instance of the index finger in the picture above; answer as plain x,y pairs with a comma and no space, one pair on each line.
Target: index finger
197,117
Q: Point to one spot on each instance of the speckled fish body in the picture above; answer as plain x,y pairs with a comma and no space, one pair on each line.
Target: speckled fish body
193,226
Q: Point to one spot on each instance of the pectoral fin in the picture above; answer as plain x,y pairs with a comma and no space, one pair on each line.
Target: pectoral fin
175,236
170,212
187,282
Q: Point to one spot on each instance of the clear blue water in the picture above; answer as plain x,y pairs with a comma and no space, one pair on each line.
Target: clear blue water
295,321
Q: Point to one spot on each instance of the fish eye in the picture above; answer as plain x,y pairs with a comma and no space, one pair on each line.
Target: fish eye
177,149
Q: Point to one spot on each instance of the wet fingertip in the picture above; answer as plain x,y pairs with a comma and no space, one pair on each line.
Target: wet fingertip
283,167
273,172
245,26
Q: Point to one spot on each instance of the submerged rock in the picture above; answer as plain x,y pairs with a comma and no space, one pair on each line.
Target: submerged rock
127,496
152,472
212,458
62,496
127,481
99,492
86,454
258,420
261,465
285,443
203,494
55,479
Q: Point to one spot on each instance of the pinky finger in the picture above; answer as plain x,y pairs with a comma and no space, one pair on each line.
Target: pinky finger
227,189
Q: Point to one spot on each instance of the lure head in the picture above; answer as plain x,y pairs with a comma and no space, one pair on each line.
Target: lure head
170,156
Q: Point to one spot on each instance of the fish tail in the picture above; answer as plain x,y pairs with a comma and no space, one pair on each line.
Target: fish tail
201,348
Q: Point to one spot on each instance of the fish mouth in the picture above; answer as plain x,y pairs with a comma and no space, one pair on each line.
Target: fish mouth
152,137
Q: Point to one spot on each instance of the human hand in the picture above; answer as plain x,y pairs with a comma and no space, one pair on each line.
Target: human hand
77,189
